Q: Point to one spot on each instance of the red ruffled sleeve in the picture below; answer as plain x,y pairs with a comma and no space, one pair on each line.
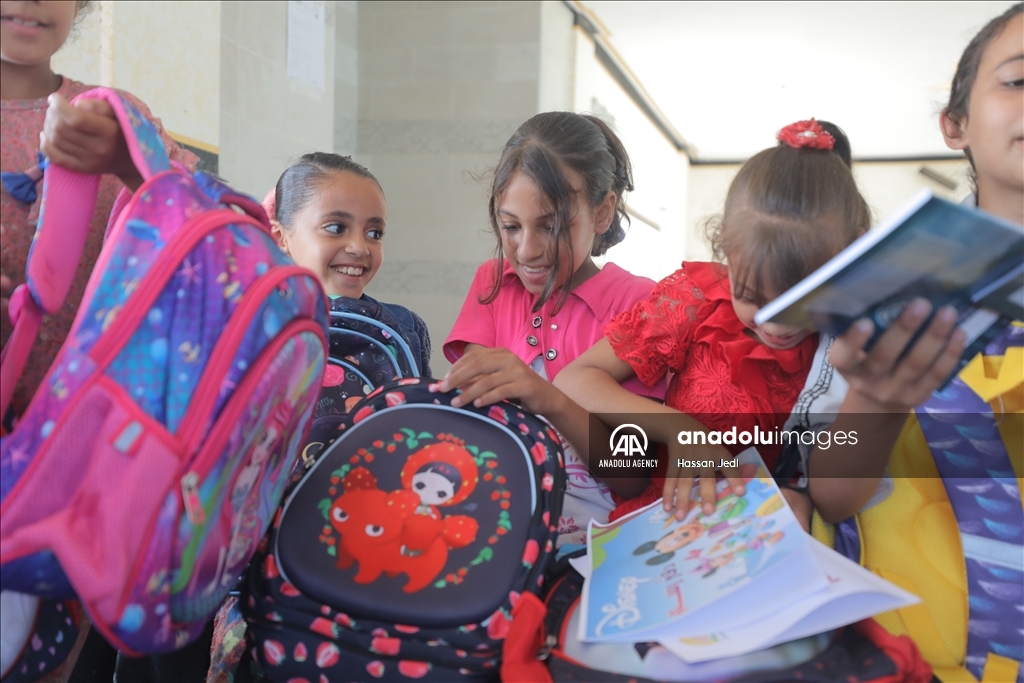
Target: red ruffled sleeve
654,335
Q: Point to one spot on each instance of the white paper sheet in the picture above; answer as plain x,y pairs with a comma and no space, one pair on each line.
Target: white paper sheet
853,593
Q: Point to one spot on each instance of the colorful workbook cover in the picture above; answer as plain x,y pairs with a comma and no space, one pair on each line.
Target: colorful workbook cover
649,572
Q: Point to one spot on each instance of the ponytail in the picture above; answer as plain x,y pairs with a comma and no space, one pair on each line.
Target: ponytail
622,182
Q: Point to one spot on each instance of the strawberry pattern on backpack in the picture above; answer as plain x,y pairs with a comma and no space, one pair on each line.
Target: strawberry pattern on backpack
150,462
402,551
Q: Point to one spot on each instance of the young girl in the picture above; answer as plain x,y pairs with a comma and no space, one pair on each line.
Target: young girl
84,138
951,536
328,213
557,200
35,117
789,209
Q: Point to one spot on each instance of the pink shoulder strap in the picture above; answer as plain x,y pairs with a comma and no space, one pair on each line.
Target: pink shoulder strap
69,201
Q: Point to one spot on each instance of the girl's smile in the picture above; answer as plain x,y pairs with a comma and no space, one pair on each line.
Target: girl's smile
528,236
25,25
33,31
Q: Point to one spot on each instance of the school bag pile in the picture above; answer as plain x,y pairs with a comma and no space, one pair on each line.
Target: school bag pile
150,461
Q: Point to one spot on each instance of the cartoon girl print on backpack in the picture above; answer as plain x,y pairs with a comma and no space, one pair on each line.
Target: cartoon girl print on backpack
405,532
245,523
446,495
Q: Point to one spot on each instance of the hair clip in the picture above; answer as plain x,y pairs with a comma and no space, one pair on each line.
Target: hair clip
806,134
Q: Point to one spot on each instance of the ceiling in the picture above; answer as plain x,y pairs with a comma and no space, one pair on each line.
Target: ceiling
728,75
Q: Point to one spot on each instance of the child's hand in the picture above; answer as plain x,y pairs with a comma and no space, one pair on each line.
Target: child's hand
679,480
87,138
487,376
888,382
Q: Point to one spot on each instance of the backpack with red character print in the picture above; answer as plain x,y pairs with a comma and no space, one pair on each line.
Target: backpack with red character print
403,550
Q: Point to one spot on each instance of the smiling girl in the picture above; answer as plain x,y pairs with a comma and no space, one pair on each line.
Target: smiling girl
329,214
557,201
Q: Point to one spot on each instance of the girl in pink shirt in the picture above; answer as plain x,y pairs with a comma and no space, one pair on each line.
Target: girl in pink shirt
556,202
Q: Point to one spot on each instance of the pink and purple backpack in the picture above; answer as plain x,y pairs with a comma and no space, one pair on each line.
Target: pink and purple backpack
150,461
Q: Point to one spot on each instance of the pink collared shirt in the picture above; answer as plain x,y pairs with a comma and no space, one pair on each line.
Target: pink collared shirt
559,338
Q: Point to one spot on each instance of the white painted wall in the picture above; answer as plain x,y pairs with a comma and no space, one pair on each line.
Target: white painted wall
165,53
730,74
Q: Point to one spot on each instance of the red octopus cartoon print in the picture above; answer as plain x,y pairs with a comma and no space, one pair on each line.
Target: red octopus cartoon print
386,534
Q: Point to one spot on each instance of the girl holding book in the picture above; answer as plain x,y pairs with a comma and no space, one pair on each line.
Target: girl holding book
931,499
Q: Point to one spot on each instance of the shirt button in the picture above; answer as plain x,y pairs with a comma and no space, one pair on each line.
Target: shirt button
537,321
554,326
551,354
531,340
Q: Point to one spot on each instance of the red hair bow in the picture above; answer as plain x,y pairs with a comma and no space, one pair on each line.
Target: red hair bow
806,134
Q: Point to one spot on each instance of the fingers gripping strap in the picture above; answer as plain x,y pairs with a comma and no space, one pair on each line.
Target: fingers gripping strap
144,142
69,200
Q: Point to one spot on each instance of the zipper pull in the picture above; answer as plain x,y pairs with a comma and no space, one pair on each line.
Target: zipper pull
549,644
190,496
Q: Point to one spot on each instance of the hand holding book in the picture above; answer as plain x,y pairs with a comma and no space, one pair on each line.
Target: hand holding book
886,378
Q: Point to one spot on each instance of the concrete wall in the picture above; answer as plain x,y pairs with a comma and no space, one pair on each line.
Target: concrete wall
442,86
165,53
346,76
268,119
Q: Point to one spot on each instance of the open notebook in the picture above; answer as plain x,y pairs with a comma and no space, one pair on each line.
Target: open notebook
740,580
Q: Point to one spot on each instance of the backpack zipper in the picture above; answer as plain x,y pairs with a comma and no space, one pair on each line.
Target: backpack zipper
190,496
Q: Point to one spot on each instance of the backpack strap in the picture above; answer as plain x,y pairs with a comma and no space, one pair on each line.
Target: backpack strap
519,663
989,517
69,201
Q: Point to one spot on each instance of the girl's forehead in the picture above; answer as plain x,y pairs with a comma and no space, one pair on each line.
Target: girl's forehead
1005,47
524,195
347,192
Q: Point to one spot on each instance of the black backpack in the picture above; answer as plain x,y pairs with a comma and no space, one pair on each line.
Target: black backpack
404,548
366,351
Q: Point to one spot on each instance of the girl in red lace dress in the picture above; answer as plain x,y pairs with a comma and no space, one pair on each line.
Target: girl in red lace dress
789,209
